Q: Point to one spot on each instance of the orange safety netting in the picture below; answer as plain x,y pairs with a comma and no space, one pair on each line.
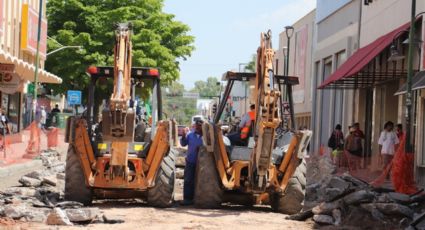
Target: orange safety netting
52,137
401,168
33,147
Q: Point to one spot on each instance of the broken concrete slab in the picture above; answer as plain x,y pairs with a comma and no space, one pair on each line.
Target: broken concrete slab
20,191
58,217
180,173
394,209
29,182
323,219
69,204
332,193
13,211
356,182
399,197
326,207
362,196
82,214
339,183
60,176
50,180
376,214
337,215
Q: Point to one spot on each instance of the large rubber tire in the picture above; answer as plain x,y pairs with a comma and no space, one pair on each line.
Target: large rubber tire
208,189
162,194
291,201
75,184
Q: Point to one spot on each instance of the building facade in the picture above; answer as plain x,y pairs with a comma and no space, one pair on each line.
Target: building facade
18,42
300,61
358,77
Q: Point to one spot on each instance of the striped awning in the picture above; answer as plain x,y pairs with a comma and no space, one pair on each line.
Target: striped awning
26,70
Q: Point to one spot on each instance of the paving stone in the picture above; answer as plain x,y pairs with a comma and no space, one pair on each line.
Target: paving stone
29,182
362,196
376,214
58,217
82,214
323,219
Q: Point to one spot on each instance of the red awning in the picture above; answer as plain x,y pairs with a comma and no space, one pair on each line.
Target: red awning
363,56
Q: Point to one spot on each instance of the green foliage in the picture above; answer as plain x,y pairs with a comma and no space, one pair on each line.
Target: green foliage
209,88
182,109
175,89
251,64
158,39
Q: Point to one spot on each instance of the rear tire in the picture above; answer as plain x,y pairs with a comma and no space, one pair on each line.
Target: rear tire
162,194
208,191
75,182
291,201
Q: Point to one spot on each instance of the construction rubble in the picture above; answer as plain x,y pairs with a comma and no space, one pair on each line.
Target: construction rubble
40,198
343,200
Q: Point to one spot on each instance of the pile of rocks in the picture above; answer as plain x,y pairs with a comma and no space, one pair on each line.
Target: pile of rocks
40,198
347,201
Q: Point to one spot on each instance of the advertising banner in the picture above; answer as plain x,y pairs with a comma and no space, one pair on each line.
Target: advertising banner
301,37
1,17
29,31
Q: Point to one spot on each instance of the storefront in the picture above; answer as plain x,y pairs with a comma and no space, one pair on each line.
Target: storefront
18,43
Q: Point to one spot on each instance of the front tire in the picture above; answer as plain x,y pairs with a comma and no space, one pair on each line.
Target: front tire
208,191
291,200
75,182
162,194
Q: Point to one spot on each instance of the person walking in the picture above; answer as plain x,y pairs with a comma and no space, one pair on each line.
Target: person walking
336,143
353,149
388,143
399,131
193,140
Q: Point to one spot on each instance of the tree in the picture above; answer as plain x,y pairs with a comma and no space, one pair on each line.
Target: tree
175,89
251,64
209,88
158,39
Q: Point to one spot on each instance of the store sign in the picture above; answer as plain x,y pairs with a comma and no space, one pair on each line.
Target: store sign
29,31
1,17
74,97
9,82
9,68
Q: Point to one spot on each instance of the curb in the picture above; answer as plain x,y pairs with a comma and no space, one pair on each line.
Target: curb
17,169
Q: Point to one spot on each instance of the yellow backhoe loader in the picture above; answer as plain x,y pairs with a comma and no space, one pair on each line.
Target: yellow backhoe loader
266,167
107,162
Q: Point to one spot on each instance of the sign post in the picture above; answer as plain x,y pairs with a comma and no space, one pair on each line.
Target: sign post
73,97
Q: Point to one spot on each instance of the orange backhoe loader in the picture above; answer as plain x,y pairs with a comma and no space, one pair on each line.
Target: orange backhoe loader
107,162
266,167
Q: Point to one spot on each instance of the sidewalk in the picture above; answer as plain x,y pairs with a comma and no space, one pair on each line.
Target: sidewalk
13,164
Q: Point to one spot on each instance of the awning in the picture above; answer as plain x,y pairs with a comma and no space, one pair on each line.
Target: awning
418,82
351,72
26,70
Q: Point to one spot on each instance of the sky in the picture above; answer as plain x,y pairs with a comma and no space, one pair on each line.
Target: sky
227,32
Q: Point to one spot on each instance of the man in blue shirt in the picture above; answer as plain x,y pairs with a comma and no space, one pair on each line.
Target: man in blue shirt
193,140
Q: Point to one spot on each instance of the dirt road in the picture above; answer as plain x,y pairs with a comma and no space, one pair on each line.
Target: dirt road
139,216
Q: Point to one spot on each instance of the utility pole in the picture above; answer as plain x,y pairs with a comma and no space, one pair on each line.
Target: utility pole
409,144
37,60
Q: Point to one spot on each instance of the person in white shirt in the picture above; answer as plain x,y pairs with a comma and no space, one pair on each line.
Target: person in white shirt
43,117
388,143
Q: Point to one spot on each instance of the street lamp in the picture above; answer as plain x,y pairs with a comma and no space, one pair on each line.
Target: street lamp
64,47
244,64
289,31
